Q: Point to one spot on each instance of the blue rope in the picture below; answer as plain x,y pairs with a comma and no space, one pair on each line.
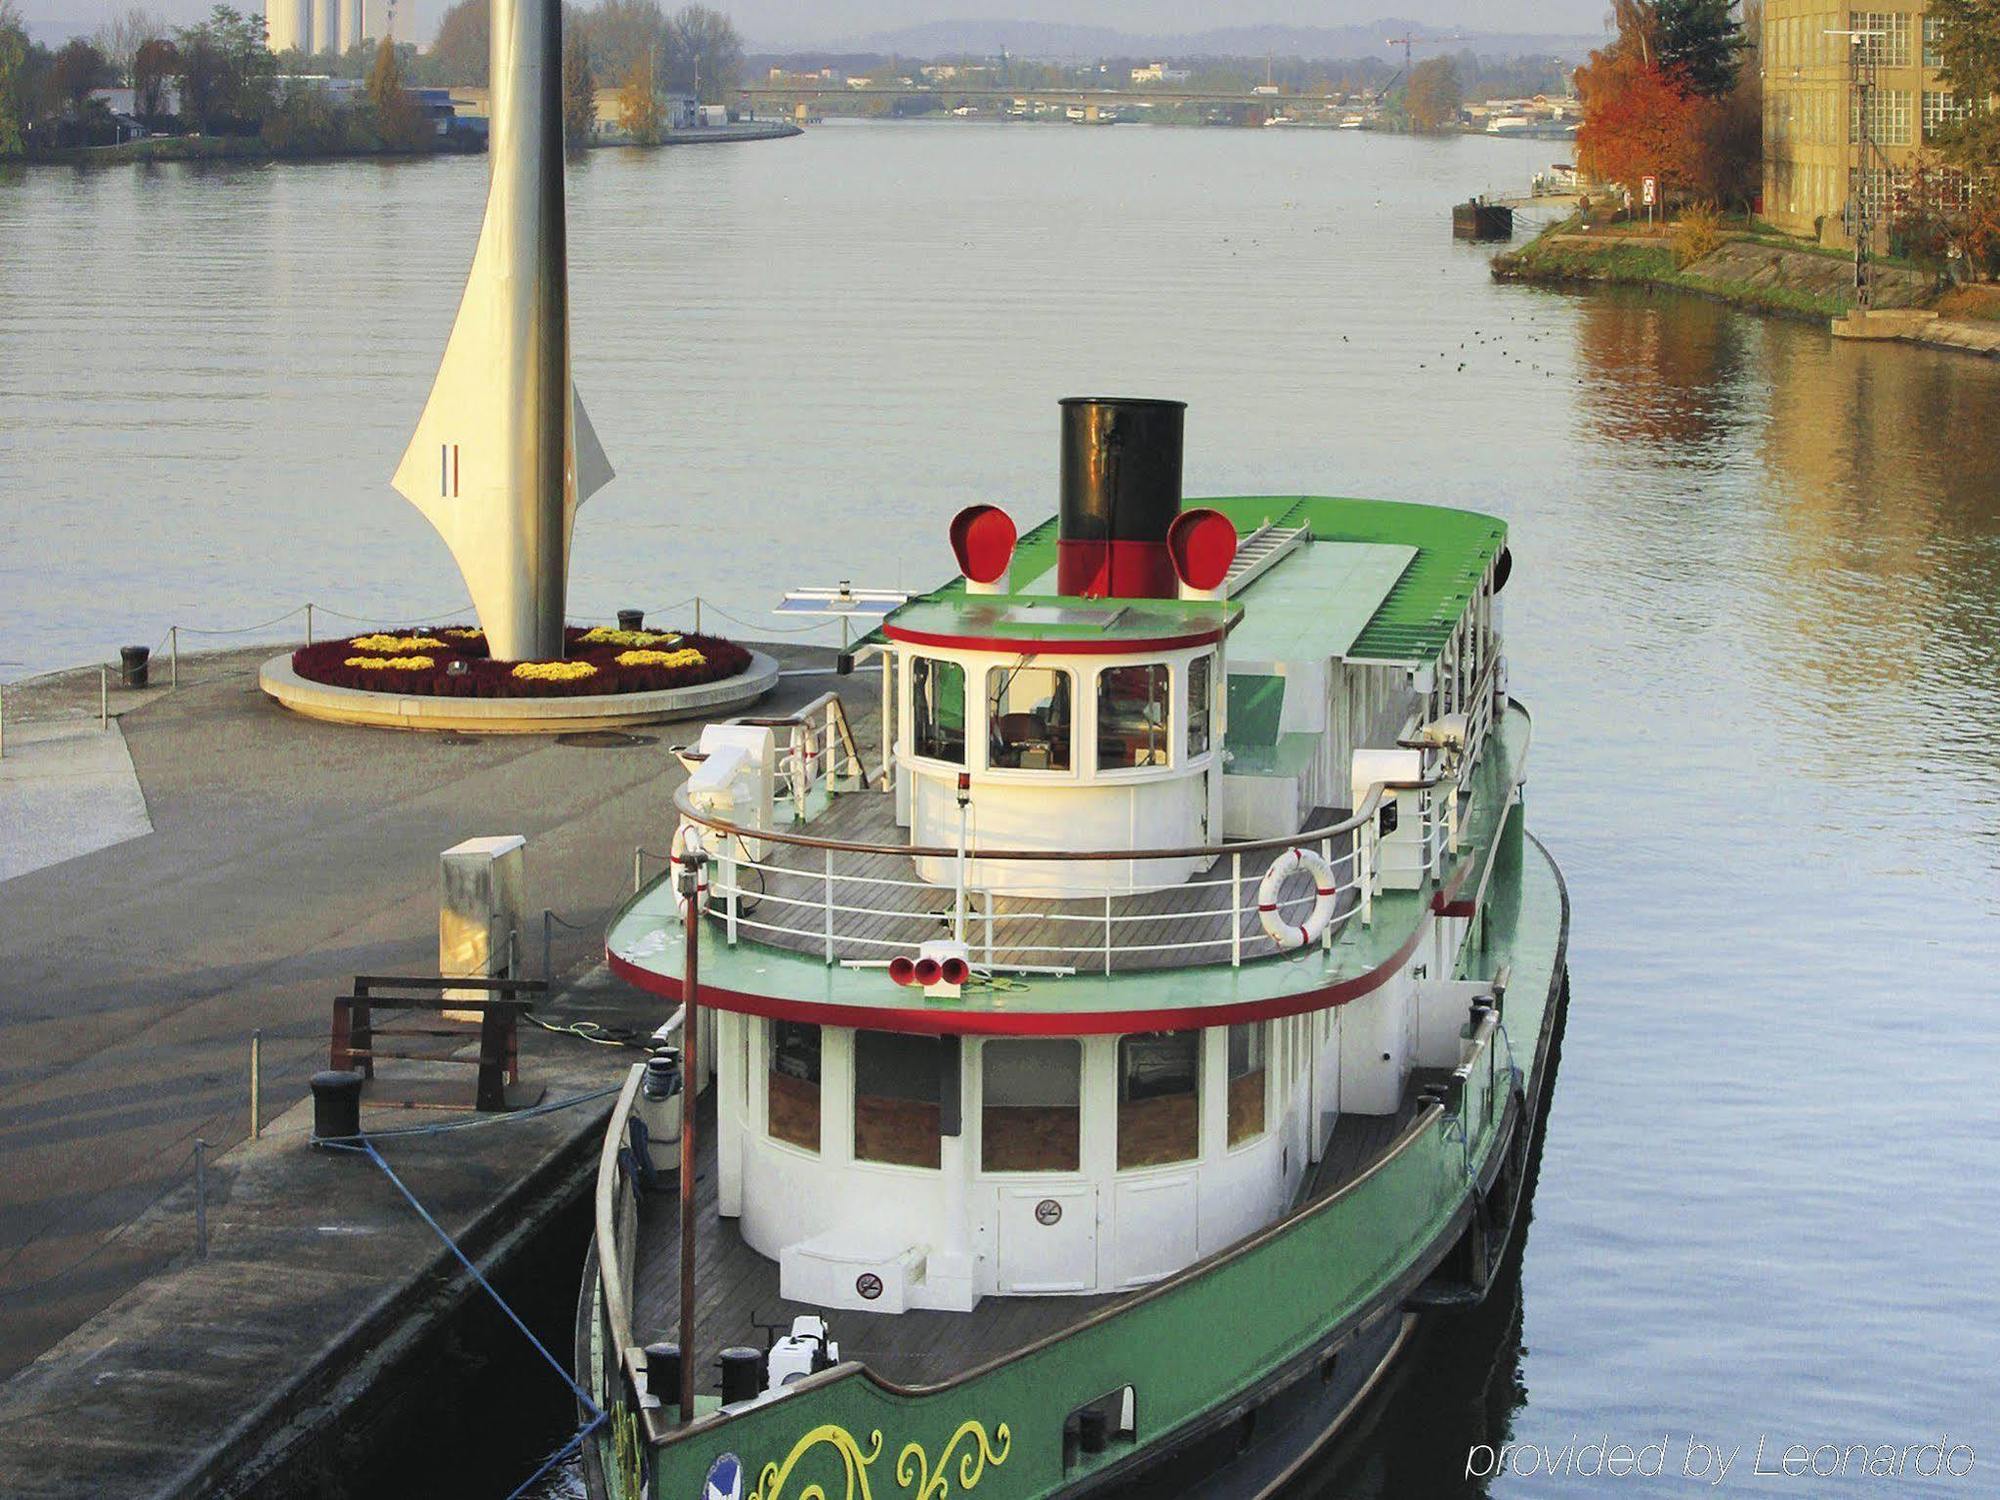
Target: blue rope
569,1380
572,1446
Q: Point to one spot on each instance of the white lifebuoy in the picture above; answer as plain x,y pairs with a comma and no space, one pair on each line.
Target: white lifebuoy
1286,934
687,839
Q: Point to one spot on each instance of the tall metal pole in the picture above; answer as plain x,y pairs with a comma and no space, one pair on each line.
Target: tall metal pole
691,864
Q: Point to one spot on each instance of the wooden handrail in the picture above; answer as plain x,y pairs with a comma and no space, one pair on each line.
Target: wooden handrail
610,1269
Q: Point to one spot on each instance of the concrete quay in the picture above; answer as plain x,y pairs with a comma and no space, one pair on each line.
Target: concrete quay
285,856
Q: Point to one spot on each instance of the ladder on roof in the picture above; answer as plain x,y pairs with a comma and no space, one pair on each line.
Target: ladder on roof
1262,551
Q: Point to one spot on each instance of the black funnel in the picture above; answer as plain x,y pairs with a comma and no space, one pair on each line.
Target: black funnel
1121,490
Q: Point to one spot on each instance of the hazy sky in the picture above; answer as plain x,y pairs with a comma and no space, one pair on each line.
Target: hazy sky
819,22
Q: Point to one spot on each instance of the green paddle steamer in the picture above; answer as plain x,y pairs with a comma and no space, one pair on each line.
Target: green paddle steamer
1107,1062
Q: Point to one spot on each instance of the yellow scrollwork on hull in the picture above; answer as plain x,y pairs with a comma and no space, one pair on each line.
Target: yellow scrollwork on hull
914,1470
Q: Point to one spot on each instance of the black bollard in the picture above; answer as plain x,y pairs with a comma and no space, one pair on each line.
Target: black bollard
742,1374
631,619
132,665
663,1372
336,1105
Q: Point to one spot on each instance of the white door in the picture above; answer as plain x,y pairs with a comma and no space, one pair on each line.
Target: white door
1048,1238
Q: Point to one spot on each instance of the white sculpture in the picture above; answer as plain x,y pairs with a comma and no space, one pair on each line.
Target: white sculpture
503,453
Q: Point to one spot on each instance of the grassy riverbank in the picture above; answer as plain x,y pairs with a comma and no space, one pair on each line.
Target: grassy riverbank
1750,269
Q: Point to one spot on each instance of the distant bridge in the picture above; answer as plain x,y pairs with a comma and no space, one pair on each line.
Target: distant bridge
1067,98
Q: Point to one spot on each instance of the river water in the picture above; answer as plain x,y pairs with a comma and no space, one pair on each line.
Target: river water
1755,610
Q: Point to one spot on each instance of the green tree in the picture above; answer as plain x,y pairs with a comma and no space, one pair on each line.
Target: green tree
1435,95
227,71
579,90
1702,42
1969,40
463,51
14,81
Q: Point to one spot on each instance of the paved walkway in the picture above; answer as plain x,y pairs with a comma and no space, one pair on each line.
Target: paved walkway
66,789
286,856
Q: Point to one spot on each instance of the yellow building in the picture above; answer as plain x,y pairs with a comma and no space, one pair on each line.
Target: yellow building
1815,175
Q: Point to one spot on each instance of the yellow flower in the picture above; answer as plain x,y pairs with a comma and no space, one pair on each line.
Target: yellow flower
604,635
394,643
463,634
392,663
553,671
686,657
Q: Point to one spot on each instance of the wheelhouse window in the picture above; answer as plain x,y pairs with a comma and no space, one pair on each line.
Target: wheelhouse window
896,1094
1200,703
792,1110
1030,719
937,709
1031,1111
1132,709
1246,1082
1159,1098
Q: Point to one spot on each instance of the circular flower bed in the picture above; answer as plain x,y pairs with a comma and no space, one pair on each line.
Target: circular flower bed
453,663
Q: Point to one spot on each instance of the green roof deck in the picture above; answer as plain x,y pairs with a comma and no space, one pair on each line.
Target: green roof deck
1411,622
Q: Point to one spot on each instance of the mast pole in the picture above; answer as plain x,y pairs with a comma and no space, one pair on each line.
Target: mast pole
691,866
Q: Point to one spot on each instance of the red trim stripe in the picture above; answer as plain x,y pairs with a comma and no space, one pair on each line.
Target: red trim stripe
940,1021
1089,646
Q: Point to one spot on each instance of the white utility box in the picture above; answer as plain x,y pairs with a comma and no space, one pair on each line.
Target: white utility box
481,884
851,1268
735,782
1399,851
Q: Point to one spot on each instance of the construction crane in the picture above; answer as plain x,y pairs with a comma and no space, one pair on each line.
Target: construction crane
1407,42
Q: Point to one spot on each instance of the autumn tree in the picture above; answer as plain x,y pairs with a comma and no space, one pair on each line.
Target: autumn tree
153,64
704,54
15,81
463,51
639,113
121,37
623,32
79,68
579,90
397,117
1638,121
1435,95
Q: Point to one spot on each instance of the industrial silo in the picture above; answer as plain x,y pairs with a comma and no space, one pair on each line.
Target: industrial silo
288,24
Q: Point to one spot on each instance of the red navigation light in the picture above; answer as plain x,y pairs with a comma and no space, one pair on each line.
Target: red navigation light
954,971
982,539
1202,544
927,971
903,969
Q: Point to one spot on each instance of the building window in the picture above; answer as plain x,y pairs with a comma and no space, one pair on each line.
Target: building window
792,1111
1246,1082
896,1118
1888,117
1159,1098
1031,1110
1132,709
937,709
1884,37
1933,51
1029,718
1942,109
1200,703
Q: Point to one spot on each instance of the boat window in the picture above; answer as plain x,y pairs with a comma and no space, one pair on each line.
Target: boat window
1031,1111
792,1111
1256,709
1200,704
896,1118
1029,719
1132,709
1159,1098
937,709
1246,1082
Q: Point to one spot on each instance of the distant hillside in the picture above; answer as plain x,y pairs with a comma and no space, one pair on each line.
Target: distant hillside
1054,39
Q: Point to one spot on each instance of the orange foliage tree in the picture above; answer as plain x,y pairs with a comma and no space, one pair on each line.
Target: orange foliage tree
1637,121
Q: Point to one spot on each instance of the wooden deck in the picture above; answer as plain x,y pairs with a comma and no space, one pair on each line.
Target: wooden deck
1177,927
736,1289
